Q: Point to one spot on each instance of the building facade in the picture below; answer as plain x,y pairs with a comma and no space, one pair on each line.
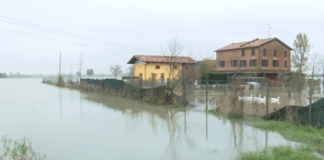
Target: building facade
148,67
269,55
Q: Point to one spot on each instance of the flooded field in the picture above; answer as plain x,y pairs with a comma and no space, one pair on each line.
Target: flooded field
68,124
254,102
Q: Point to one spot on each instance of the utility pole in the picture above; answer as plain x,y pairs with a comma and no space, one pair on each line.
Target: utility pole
60,70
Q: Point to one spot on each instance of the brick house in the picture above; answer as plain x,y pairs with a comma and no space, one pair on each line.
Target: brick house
271,55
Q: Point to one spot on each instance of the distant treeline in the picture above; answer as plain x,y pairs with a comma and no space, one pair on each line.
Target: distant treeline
3,75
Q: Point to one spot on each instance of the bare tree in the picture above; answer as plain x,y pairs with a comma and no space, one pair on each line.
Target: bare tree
80,66
322,66
130,71
172,51
301,51
115,69
177,70
311,89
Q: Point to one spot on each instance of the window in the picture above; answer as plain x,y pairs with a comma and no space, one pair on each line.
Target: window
275,63
285,54
162,76
153,76
252,62
243,63
243,53
140,76
233,63
264,52
275,53
286,64
175,67
221,63
157,66
252,51
264,62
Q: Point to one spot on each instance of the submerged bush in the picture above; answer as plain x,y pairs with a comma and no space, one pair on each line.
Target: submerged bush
19,150
235,114
282,153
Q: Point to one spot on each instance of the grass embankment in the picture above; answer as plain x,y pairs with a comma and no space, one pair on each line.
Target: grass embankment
282,153
310,135
213,112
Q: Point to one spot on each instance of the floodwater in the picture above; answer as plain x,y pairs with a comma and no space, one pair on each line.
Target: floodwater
66,124
218,98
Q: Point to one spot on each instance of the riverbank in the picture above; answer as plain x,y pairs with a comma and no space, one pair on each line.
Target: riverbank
152,96
310,135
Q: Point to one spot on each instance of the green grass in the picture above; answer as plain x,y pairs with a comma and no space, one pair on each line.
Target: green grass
301,133
282,153
213,112
235,115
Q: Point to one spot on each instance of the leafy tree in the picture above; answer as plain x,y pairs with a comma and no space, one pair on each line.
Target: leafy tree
90,72
301,51
207,66
3,75
115,69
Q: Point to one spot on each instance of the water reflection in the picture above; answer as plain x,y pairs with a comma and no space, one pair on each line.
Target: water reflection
206,126
60,99
224,103
98,126
81,112
187,132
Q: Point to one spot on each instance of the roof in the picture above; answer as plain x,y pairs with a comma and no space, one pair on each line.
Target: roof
160,59
250,44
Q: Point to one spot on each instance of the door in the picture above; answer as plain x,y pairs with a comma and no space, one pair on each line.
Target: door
162,76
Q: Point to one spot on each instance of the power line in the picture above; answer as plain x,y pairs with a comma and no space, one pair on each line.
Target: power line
80,44
59,32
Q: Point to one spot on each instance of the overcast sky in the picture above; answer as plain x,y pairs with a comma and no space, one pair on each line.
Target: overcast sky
109,32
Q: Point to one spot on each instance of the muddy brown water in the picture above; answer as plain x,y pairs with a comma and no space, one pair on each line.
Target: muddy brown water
66,124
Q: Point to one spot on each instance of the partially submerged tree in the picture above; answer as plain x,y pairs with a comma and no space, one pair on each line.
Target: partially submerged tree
90,72
301,51
115,70
311,82
322,67
177,70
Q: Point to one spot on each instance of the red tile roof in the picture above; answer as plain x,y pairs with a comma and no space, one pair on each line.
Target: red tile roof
254,43
160,59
